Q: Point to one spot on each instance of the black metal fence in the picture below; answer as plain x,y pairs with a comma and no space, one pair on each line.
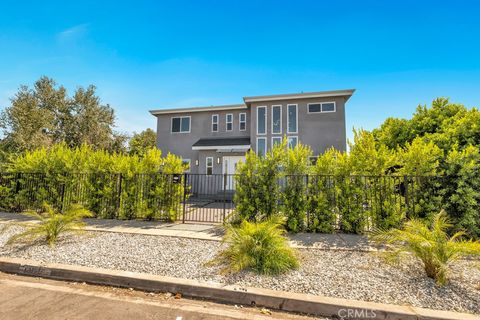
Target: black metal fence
211,198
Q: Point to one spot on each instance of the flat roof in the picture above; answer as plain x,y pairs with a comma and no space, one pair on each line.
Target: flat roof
200,109
318,94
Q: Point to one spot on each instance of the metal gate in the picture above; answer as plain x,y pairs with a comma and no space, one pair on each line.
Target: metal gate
208,198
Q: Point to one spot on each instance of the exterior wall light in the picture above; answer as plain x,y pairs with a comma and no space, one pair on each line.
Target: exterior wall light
218,160
196,162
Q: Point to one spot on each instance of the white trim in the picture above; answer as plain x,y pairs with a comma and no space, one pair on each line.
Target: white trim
189,124
266,118
227,122
296,118
273,106
206,165
277,137
256,147
221,147
321,107
218,117
189,164
240,121
291,137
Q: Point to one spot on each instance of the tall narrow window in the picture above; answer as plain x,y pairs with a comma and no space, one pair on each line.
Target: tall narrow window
261,120
181,124
261,146
243,121
292,142
229,121
292,123
209,166
215,123
276,119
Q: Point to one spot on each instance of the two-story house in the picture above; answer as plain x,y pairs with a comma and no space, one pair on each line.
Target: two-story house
214,139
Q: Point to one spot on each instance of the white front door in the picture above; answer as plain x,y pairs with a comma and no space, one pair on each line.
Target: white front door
229,168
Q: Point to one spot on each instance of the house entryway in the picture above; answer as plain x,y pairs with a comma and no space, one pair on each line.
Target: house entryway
229,168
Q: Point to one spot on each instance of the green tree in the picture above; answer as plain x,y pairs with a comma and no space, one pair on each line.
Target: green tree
45,115
140,142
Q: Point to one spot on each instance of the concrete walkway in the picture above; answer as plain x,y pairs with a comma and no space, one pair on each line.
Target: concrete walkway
211,232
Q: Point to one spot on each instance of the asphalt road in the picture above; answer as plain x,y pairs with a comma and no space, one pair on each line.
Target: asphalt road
34,298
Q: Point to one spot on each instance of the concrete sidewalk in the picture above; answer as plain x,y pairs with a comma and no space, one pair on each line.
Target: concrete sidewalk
211,232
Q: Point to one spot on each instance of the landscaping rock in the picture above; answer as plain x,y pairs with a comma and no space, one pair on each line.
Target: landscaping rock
343,274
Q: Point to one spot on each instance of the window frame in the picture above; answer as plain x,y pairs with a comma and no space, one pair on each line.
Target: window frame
296,118
275,106
266,118
207,166
277,137
321,107
227,122
189,164
240,121
217,122
181,117
288,141
256,147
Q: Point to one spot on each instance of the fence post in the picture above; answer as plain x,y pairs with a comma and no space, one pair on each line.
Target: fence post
308,201
184,196
224,195
119,199
405,182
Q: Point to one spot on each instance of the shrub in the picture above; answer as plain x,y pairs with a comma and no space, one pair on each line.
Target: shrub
430,244
52,224
260,246
257,191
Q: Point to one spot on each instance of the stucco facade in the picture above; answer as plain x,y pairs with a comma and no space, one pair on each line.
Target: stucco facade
320,130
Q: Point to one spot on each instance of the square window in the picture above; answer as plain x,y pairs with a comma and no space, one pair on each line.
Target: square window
314,107
181,124
328,107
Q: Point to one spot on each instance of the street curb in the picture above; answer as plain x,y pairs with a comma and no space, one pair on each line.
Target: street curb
280,300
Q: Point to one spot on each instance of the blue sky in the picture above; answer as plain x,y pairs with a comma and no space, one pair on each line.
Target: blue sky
146,55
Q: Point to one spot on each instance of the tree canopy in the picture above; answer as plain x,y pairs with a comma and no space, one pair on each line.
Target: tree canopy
46,115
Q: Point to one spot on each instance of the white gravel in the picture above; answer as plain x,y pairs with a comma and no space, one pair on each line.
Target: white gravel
351,275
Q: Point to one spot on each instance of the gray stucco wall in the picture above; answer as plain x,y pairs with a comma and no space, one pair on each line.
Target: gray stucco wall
200,127
318,130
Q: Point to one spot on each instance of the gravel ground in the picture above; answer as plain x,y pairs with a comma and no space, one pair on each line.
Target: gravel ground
350,275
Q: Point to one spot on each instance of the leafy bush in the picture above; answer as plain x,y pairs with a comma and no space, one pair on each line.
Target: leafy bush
257,191
52,224
260,246
431,245
110,185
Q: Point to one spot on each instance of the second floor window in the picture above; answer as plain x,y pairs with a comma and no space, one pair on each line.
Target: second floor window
261,120
276,119
229,122
243,121
215,123
181,124
292,122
